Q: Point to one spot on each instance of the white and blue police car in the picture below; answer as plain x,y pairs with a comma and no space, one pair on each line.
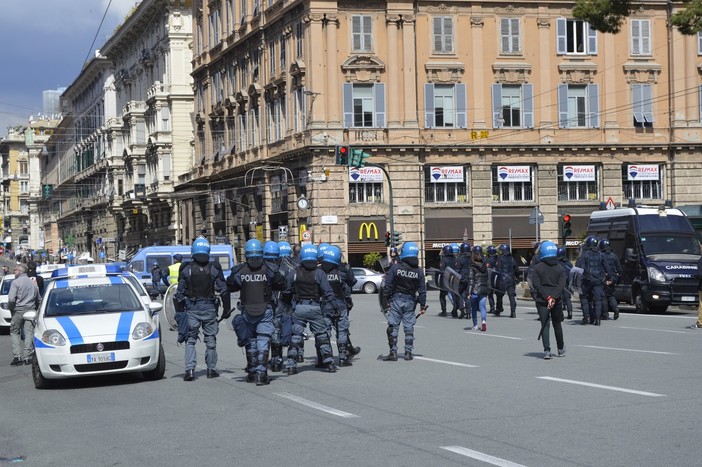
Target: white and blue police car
93,322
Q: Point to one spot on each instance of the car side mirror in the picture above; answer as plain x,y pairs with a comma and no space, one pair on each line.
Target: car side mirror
155,307
629,255
29,315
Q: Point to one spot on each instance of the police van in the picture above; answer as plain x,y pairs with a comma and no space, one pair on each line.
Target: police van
658,249
144,260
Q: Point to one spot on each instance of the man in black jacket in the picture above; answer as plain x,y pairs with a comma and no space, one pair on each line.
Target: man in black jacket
549,280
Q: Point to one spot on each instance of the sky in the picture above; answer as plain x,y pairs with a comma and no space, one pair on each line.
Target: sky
44,44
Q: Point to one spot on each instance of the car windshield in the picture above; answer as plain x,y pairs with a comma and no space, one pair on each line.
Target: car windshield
137,285
6,286
98,298
667,245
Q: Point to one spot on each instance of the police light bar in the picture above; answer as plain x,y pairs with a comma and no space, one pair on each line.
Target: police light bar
87,270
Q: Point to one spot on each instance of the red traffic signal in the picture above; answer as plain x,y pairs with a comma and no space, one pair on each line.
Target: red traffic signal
566,230
566,217
342,155
387,238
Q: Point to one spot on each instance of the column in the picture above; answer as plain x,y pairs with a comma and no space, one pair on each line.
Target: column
332,86
315,76
478,92
409,76
546,112
393,71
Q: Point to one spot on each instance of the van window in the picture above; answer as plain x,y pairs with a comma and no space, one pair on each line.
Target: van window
223,261
657,223
656,244
163,261
136,266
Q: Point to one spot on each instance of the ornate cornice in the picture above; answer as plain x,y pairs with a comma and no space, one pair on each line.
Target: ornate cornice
511,72
444,72
577,72
362,68
642,72
477,21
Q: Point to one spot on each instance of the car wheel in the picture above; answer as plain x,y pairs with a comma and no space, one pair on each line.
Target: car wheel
641,304
39,381
369,287
158,372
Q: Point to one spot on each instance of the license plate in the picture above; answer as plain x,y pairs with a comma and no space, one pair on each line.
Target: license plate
101,357
688,299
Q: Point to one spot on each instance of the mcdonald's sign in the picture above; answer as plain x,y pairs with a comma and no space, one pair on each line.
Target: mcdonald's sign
368,228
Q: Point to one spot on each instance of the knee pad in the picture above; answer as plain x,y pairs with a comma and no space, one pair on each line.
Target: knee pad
241,330
388,331
321,339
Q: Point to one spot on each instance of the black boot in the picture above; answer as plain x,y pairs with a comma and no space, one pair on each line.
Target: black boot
408,356
262,379
212,373
513,314
585,321
443,313
391,357
331,368
189,375
570,315
616,315
462,315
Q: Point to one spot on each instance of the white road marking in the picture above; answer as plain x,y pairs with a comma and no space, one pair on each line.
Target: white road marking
601,386
481,456
445,361
494,335
652,329
627,350
314,405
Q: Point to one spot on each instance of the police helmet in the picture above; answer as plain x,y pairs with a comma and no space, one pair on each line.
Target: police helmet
504,248
456,248
332,255
478,249
604,245
491,250
271,250
253,249
200,246
154,265
321,249
464,247
393,252
447,250
548,250
284,249
409,250
308,253
561,252
177,257
591,242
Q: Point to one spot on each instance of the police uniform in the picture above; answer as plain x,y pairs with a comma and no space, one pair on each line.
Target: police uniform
404,287
567,266
447,261
614,272
508,270
463,265
336,314
594,273
198,282
491,264
282,312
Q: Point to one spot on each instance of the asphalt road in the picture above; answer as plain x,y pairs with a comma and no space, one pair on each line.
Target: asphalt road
624,395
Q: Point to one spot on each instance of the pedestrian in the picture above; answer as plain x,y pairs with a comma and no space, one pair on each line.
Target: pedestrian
404,287
478,289
698,324
306,287
198,283
32,274
509,271
156,276
174,270
613,268
256,279
336,314
23,296
549,279
567,266
5,269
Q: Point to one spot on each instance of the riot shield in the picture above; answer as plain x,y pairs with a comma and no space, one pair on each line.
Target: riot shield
575,279
452,281
495,281
382,300
169,306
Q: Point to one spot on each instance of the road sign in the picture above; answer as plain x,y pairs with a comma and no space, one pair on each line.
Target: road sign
610,203
306,236
536,216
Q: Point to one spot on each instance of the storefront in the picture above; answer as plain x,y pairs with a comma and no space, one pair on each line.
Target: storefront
366,235
443,227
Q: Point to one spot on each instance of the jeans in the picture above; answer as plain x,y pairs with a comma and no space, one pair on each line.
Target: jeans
477,302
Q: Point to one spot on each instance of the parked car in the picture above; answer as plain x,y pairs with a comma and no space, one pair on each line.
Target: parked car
368,281
5,315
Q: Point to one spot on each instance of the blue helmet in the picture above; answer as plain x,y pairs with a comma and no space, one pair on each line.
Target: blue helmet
284,249
253,249
271,250
464,247
604,246
491,250
591,242
504,248
561,252
548,250
321,249
200,246
409,250
308,253
456,248
478,249
332,254
447,250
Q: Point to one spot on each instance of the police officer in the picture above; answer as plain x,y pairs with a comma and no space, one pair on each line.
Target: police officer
508,269
256,280
493,274
594,273
404,287
463,267
336,314
549,280
567,266
174,269
614,268
282,313
156,275
351,350
306,287
447,261
198,282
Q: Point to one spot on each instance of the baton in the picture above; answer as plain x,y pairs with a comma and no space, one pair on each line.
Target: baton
543,326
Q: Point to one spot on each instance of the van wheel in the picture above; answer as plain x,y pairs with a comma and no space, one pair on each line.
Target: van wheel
641,304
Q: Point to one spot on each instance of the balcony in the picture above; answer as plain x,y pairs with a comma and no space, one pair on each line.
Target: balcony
158,91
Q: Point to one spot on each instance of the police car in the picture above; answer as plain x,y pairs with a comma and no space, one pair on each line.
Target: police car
92,322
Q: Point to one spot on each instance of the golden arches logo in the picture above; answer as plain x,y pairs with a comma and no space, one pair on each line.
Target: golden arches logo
368,227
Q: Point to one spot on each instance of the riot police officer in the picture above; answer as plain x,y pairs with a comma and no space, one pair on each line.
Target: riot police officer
614,272
198,282
549,281
508,270
256,279
404,287
447,261
306,287
594,273
493,276
463,267
282,313
567,266
336,315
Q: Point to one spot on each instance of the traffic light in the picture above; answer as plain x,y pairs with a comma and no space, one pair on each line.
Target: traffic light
342,155
396,238
565,227
387,238
47,191
358,158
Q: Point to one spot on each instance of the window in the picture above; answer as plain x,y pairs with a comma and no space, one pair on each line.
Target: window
577,183
364,105
23,166
271,56
443,34
642,181
24,186
578,106
255,124
243,11
509,36
214,28
200,37
445,106
300,114
165,119
642,105
512,106
283,63
361,32
699,43
512,183
446,184
365,192
640,37
575,37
